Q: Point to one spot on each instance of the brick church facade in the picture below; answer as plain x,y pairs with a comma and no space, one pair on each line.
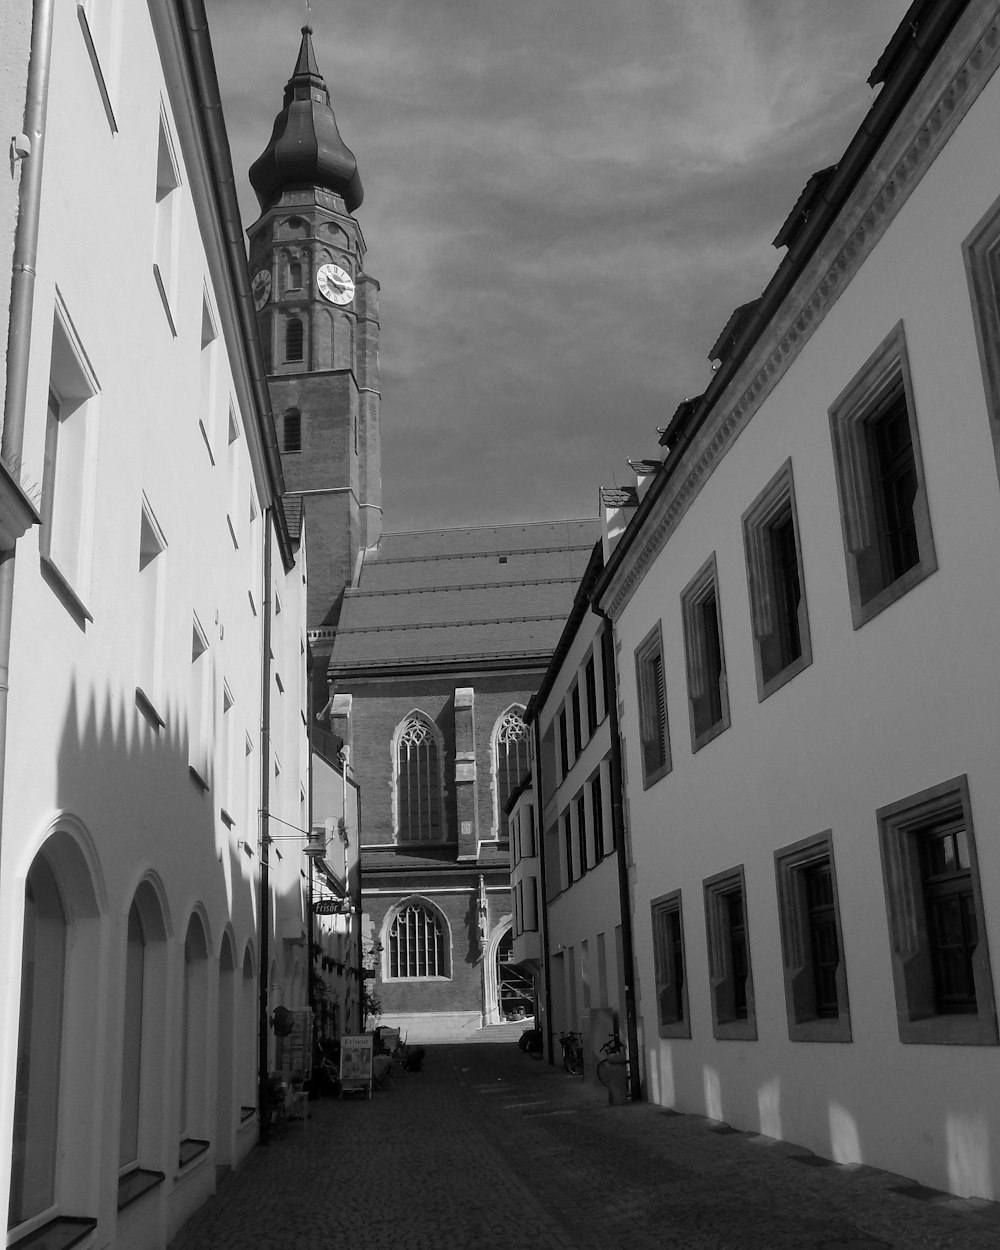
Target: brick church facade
425,646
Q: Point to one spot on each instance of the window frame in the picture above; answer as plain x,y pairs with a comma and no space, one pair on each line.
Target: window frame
152,622
726,1024
69,475
435,774
761,519
647,653
665,959
852,415
791,864
981,252
704,586
899,826
443,941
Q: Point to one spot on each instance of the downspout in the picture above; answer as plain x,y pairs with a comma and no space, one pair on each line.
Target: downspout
310,933
618,826
22,298
544,909
357,918
264,906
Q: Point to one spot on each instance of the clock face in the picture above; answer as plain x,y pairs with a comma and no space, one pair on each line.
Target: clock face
335,284
261,287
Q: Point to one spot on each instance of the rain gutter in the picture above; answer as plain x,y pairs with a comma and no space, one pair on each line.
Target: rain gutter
22,298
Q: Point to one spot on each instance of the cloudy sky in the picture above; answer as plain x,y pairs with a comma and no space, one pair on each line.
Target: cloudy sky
564,201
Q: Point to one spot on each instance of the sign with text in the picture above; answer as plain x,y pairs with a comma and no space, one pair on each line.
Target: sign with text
356,1062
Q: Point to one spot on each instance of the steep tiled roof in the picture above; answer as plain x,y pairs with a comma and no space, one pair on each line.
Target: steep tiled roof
461,595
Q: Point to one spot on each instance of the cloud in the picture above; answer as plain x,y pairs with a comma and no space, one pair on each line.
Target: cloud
564,202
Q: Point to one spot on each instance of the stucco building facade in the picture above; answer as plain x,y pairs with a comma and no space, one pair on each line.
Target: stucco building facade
154,622
803,601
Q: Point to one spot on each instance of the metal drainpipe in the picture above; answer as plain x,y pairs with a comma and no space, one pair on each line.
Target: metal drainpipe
540,834
264,907
618,825
22,298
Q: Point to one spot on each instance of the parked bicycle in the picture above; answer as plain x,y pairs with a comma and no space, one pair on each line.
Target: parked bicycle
572,1052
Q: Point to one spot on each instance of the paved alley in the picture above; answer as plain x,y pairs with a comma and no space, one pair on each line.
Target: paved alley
489,1149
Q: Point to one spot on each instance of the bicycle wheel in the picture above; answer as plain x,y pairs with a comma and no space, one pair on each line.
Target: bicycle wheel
573,1062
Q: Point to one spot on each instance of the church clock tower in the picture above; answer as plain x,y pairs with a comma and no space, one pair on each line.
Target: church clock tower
318,315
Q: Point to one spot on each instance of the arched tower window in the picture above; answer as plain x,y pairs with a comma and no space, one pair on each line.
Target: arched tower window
291,430
418,783
294,338
294,275
417,945
510,761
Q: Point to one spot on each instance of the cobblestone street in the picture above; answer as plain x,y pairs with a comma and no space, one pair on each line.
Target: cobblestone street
489,1149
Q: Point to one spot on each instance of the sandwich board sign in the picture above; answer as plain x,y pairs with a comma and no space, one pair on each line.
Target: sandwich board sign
356,1063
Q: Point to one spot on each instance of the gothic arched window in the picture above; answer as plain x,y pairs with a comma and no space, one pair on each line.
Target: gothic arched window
510,761
294,338
417,943
418,783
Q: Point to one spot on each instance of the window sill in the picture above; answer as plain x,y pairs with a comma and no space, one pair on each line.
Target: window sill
232,531
207,440
735,1031
821,1030
950,1030
650,779
412,980
165,301
703,739
102,86
766,688
247,1114
862,613
191,1149
58,1234
197,775
134,1184
148,708
676,1029
60,583
227,820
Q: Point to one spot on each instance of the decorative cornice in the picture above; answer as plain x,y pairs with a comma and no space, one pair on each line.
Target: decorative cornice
940,103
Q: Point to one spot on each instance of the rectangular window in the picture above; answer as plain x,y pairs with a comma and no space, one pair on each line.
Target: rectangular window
811,942
563,743
731,980
880,480
528,831
782,646
982,263
940,955
207,370
568,847
590,683
224,785
581,831
165,225
651,694
708,693
198,705
668,963
597,807
149,672
577,734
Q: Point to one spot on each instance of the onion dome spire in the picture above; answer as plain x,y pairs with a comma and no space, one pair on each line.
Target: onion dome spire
305,148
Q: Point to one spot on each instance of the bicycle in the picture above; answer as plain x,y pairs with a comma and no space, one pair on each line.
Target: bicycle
572,1052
